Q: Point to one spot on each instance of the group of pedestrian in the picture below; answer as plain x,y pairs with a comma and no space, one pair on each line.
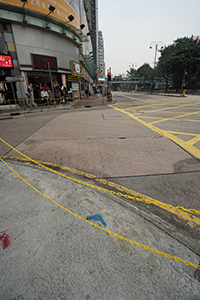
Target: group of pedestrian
87,93
45,94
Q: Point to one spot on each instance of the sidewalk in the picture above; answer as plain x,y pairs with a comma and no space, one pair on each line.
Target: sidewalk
91,101
7,110
55,255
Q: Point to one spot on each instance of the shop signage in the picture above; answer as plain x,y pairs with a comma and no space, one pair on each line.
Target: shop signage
6,61
15,79
64,83
75,86
76,68
73,77
64,8
42,62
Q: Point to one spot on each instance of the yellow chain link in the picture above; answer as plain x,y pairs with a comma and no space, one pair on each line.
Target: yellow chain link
177,259
169,206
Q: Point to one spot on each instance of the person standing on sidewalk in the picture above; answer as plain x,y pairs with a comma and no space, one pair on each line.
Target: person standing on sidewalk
86,93
66,95
31,94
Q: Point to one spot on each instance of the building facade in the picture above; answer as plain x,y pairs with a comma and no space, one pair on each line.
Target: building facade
45,45
101,55
91,9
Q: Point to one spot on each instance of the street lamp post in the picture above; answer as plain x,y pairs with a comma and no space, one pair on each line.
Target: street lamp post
157,45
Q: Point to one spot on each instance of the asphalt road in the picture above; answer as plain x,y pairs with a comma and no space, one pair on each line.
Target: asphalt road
54,255
178,120
119,145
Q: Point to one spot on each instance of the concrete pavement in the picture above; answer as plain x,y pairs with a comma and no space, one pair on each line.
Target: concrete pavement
113,147
93,100
54,255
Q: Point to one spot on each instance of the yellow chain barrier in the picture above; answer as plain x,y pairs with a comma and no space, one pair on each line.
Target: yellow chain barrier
168,206
177,259
50,101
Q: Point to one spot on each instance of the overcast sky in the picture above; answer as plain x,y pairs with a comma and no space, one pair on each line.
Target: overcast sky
129,27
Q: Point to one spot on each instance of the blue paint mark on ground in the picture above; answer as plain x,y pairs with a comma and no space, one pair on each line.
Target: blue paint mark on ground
97,217
7,157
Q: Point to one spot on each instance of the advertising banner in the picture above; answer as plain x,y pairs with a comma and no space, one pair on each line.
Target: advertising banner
64,8
6,61
64,82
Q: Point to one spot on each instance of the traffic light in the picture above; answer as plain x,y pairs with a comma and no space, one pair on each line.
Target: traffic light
109,76
186,72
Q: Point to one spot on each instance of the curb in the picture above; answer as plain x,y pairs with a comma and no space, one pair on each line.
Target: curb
64,107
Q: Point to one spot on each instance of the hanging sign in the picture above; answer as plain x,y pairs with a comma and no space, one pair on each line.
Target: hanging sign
6,61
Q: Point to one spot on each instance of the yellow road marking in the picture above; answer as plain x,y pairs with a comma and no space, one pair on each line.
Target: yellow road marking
188,120
193,141
159,103
191,149
183,120
177,259
192,220
182,133
143,117
167,108
179,116
161,112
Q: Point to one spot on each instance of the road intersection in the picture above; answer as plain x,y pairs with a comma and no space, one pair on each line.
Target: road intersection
104,149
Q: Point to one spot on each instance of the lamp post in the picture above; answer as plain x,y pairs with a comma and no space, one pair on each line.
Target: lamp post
131,66
157,45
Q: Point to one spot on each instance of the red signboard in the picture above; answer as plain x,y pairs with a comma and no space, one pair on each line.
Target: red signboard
6,61
41,62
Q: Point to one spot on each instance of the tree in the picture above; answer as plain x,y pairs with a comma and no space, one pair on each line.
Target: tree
144,71
131,73
182,55
118,78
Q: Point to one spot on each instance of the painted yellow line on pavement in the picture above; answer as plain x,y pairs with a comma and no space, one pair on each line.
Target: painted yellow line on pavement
167,108
191,220
195,140
146,117
182,133
121,237
188,120
179,116
191,149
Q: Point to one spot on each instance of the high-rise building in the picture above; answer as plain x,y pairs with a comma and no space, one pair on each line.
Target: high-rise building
101,63
46,44
91,9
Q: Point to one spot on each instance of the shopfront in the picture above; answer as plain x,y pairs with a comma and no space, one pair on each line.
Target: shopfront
73,86
72,81
6,91
45,76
